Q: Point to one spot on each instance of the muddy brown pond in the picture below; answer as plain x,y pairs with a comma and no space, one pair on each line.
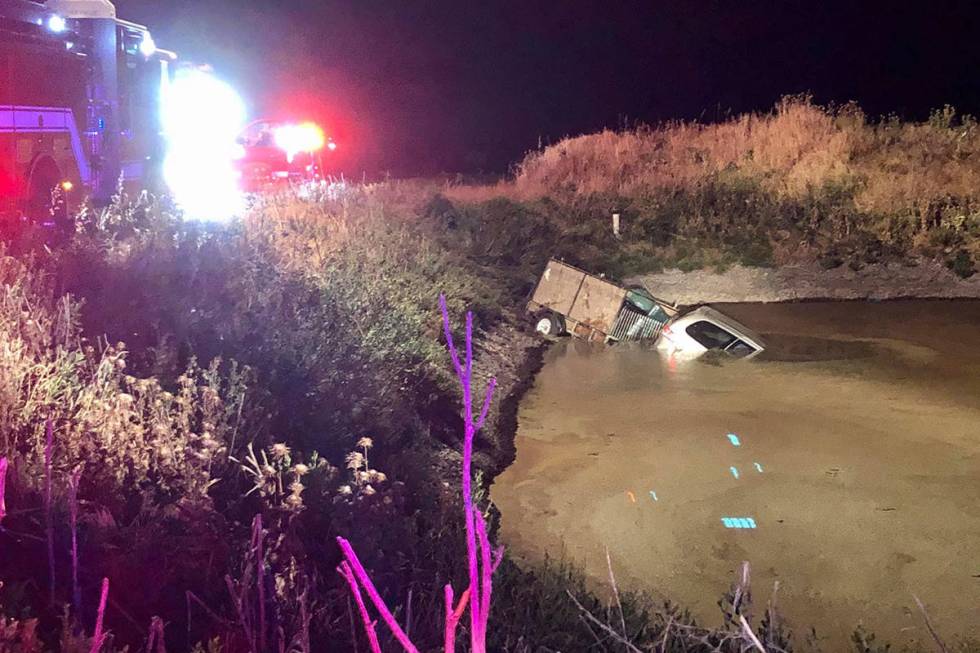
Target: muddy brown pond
858,464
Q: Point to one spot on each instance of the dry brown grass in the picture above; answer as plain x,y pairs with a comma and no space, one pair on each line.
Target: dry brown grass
128,433
797,147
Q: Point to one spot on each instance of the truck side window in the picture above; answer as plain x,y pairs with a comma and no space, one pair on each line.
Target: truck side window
740,349
709,335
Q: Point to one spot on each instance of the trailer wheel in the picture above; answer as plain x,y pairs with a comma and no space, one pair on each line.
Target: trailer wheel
550,324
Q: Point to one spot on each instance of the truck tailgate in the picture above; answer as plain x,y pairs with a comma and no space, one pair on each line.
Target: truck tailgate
597,304
558,287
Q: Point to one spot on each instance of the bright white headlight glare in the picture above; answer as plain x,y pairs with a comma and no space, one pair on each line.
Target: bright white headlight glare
57,24
202,117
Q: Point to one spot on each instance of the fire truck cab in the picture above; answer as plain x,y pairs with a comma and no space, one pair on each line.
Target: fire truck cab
79,104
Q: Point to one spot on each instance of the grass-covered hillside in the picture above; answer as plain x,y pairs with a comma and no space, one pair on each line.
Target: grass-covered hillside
801,183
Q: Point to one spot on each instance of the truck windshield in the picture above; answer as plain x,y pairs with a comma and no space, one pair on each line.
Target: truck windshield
710,336
644,302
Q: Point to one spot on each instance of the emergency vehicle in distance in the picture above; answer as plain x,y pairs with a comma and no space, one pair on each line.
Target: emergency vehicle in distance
273,153
79,104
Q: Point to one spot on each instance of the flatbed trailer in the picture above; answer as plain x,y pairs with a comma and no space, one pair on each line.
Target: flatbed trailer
570,300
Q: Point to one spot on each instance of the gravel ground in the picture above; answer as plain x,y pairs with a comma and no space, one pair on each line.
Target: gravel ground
877,282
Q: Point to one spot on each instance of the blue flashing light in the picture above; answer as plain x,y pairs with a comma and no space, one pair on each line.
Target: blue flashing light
734,440
654,495
738,522
758,467
57,24
734,471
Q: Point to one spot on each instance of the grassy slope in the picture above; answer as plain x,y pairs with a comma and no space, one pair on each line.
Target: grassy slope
328,310
799,184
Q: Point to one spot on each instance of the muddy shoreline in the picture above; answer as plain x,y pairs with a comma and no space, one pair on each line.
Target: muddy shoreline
927,280
511,352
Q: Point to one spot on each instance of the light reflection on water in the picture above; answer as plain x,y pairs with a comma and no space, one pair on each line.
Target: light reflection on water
867,418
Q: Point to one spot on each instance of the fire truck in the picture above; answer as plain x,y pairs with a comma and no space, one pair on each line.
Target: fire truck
273,153
79,104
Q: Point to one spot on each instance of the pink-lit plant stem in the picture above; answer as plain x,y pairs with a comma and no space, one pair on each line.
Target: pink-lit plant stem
480,587
3,487
257,541
98,638
356,569
155,642
482,561
453,617
369,625
48,517
76,593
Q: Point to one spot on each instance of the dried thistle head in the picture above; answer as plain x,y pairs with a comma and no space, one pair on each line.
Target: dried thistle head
279,451
365,443
355,460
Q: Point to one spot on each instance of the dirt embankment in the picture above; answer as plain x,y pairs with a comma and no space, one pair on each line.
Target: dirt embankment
928,280
513,354
510,352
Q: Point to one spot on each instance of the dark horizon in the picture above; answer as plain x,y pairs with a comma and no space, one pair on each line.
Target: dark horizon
447,87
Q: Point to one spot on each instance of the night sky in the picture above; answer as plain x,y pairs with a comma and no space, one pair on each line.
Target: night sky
420,87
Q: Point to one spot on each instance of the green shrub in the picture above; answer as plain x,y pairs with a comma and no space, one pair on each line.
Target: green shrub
962,264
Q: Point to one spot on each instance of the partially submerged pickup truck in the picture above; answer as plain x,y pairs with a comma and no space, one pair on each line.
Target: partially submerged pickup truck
570,300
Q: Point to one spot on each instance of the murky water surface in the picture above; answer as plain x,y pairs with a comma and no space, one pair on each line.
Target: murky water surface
864,420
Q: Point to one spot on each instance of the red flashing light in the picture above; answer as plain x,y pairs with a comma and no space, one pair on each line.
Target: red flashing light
305,137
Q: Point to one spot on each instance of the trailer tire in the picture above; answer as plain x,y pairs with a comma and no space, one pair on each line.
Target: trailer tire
550,324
